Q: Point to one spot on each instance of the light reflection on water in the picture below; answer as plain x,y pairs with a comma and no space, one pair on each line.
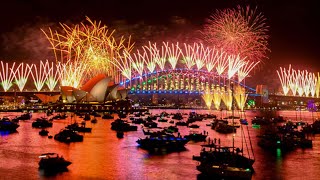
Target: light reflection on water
103,156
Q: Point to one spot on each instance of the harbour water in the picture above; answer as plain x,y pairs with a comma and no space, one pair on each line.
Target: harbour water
103,156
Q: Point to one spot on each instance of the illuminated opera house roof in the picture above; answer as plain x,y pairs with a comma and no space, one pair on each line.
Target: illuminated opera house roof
98,89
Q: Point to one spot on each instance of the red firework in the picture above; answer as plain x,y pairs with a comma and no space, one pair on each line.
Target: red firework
238,31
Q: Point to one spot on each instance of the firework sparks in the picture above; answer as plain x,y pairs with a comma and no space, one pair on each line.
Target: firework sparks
173,53
149,59
137,61
238,31
189,55
244,71
313,84
300,82
72,74
235,63
22,73
124,65
318,86
222,63
217,98
240,96
226,96
284,80
201,55
6,75
39,74
207,97
54,73
90,43
212,59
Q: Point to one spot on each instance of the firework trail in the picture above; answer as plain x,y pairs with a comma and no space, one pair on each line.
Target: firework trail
21,74
238,31
6,75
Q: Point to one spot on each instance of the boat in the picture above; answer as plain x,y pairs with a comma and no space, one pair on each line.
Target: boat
227,161
181,123
177,116
68,135
120,134
196,136
51,161
261,120
171,129
193,126
41,123
25,116
152,131
215,154
43,132
225,171
120,125
168,142
122,115
87,117
137,120
79,128
8,125
150,124
225,128
94,120
163,120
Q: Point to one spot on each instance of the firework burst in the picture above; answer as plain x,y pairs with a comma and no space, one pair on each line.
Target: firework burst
235,63
54,74
6,75
244,71
89,43
207,97
39,74
22,73
240,96
238,31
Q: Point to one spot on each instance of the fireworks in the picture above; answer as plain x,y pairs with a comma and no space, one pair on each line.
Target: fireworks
92,44
222,63
72,74
124,64
173,54
244,71
137,62
217,98
22,73
238,31
235,63
240,96
6,75
207,97
54,75
149,59
226,96
39,74
303,83
284,79
189,54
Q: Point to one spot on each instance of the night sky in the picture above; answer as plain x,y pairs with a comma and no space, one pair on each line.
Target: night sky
294,24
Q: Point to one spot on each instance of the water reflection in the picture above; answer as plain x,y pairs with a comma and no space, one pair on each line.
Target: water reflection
103,156
6,133
52,172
